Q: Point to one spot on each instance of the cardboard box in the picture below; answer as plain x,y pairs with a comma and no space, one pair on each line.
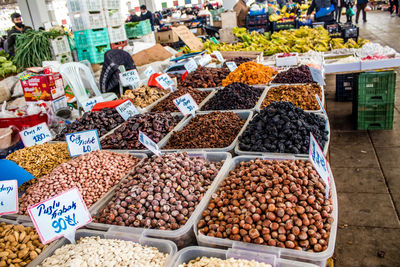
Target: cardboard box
226,36
228,20
46,87
286,61
166,37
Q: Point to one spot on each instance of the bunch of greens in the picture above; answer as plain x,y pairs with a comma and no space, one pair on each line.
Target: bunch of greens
6,65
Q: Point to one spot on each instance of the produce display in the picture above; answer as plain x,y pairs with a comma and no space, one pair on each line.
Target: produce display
250,73
282,127
155,125
234,96
6,66
162,193
216,262
212,130
94,251
93,174
302,95
203,77
19,245
144,95
301,74
273,203
167,104
104,121
239,60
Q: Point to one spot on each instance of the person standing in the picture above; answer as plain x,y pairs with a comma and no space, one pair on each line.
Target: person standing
18,27
349,11
145,14
361,5
323,11
241,10
338,11
132,16
394,3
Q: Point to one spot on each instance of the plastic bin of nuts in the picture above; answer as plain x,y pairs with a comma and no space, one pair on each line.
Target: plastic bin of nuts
318,258
188,254
163,246
184,235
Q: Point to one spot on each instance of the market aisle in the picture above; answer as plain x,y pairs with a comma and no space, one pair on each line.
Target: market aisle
365,165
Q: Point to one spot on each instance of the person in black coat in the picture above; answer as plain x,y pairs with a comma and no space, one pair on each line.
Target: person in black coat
18,27
145,14
317,5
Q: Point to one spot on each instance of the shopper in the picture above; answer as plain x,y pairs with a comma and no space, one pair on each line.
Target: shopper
394,3
361,5
241,10
324,10
145,14
349,11
19,27
338,11
209,6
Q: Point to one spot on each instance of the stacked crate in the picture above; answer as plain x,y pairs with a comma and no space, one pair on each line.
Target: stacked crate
60,49
115,24
141,29
89,28
373,101
345,85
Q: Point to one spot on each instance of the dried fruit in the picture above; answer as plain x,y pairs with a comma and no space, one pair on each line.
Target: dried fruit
250,73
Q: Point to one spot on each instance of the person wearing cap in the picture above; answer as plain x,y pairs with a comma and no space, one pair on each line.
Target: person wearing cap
132,16
18,27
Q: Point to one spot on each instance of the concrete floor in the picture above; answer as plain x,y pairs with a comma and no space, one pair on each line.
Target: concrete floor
365,166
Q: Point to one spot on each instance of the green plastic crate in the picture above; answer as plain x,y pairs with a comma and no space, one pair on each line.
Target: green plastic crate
95,55
375,116
90,38
142,28
376,87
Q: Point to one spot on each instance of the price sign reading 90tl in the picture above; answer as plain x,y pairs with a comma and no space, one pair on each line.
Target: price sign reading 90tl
36,135
320,163
59,216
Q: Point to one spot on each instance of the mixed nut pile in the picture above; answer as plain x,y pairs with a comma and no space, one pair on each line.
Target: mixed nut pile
144,95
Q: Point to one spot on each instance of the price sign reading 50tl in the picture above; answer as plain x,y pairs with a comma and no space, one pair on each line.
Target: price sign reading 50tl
320,163
36,135
186,104
59,216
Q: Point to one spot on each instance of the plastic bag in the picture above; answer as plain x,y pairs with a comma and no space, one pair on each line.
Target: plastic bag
5,113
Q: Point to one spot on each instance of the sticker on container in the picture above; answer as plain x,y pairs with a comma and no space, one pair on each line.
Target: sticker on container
219,56
149,71
36,135
60,216
186,104
8,197
127,110
319,162
165,81
204,60
150,144
320,105
89,104
82,142
191,65
317,75
231,65
130,78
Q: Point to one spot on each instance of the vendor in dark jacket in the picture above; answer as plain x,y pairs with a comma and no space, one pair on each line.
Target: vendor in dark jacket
145,14
317,5
12,34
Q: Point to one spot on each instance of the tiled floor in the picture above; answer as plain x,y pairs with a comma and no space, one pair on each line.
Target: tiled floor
365,165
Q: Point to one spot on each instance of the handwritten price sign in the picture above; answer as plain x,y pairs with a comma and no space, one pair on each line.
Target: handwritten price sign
8,197
36,135
150,144
231,65
320,163
204,60
219,56
82,142
149,71
165,81
186,104
59,216
127,110
130,78
191,65
89,104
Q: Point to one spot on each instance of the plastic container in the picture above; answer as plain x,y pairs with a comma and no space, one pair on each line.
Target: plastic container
95,55
142,28
83,6
111,4
114,18
164,246
183,236
117,34
345,85
64,58
283,25
245,115
376,88
374,116
60,45
87,20
190,253
318,258
119,45
276,154
5,137
89,38
23,122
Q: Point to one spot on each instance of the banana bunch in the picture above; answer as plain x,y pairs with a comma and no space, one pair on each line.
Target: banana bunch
274,17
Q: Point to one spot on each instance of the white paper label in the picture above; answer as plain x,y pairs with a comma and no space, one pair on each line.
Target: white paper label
219,56
127,110
317,76
212,65
320,163
89,104
8,197
36,135
231,65
165,81
186,104
149,71
130,78
191,65
204,60
60,215
320,105
82,142
149,144
60,103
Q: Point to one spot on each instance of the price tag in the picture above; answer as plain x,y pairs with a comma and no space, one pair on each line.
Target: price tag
203,61
320,163
165,81
317,75
8,197
89,104
60,215
149,71
82,142
127,110
231,65
320,105
191,65
212,65
186,104
36,135
150,144
219,56
130,78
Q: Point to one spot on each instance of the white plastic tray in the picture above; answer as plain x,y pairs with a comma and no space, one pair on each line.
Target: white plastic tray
318,258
